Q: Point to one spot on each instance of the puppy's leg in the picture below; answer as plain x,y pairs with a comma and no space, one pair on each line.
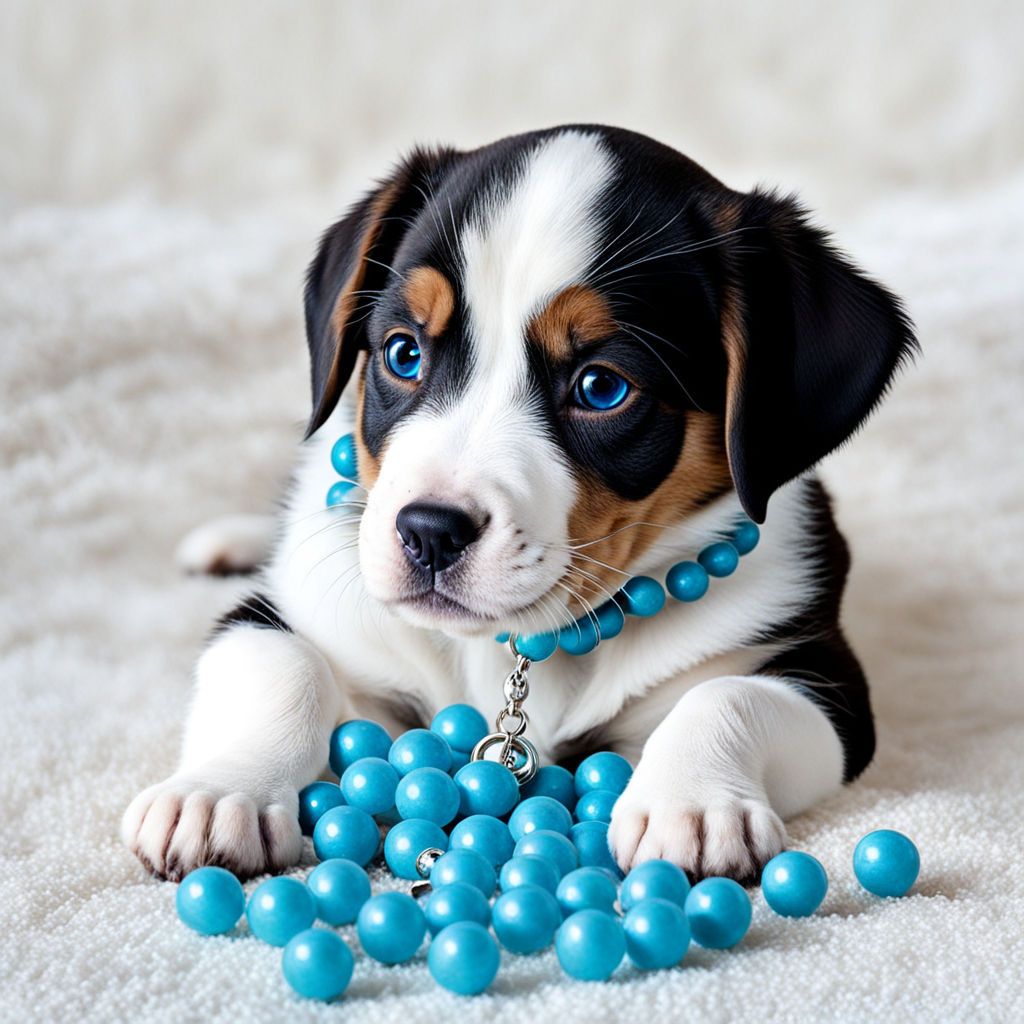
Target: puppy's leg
265,703
733,758
228,545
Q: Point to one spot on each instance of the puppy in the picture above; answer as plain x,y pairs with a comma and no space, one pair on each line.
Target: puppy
567,358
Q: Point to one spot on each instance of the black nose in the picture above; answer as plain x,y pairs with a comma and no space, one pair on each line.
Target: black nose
435,535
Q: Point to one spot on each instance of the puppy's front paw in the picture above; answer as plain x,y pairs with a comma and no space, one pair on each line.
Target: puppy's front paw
710,833
184,823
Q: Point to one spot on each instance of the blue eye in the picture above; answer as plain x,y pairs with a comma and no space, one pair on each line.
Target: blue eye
600,388
402,356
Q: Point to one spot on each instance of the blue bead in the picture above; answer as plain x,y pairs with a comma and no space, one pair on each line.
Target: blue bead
279,909
591,841
502,638
486,787
461,726
719,559
460,759
464,958
687,581
316,798
886,863
539,812
525,919
407,840
339,887
529,869
555,781
745,537
370,785
657,934
610,620
603,770
579,638
596,805
464,866
210,900
718,910
587,888
794,884
343,456
346,832
655,879
428,793
419,748
590,945
356,739
552,846
537,647
642,596
459,901
391,927
337,491
487,835
317,964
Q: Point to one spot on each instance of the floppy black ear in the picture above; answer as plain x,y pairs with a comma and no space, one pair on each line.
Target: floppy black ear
350,264
812,344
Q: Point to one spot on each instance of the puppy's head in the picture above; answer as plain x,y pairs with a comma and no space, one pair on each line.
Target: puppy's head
566,335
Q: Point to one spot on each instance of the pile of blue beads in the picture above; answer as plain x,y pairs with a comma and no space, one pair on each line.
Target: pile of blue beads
469,829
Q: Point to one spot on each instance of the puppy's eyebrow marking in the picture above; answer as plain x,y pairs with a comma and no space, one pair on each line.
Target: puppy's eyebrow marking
430,298
576,313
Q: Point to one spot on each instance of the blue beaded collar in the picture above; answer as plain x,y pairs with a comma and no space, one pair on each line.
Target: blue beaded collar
641,596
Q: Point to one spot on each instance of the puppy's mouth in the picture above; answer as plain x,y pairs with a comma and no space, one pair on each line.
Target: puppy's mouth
432,603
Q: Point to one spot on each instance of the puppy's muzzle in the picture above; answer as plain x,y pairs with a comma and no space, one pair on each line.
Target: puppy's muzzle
434,537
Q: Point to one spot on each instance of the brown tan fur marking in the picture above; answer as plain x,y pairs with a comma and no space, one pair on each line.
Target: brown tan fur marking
369,467
430,299
576,313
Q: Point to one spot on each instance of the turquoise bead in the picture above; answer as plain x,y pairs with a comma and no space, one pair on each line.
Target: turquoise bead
346,832
657,934
428,793
886,863
590,945
464,866
502,638
317,964
487,835
654,879
537,647
719,559
529,869
339,887
460,725
579,638
525,919
610,620
343,456
603,770
745,537
794,884
210,900
419,748
687,581
486,787
591,841
391,927
407,840
464,958
355,739
587,888
539,812
370,785
337,491
459,901
596,805
314,800
552,846
555,781
718,910
643,596
459,760
279,909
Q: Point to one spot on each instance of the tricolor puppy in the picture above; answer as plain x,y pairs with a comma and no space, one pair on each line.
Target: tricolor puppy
568,357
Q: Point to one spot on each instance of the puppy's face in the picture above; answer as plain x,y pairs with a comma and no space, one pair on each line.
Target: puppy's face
551,341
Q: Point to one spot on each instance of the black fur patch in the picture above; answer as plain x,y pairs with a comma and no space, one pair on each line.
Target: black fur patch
255,610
